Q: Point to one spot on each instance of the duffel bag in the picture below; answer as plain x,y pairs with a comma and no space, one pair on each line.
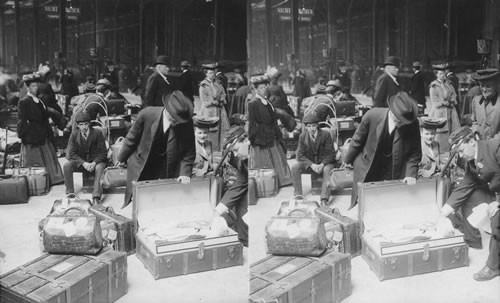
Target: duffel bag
296,235
74,232
115,149
71,200
13,189
341,178
115,176
297,202
38,179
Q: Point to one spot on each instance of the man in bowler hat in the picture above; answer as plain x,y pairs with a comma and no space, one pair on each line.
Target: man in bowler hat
158,84
486,107
386,145
387,84
160,143
417,84
186,84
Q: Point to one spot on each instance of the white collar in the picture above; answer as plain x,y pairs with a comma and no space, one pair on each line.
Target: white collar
262,99
417,71
166,121
391,125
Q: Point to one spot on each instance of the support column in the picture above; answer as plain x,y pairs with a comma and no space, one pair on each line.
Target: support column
348,33
3,60
17,11
269,33
374,34
386,29
448,31
35,33
62,31
116,46
141,37
295,28
216,29
249,34
407,59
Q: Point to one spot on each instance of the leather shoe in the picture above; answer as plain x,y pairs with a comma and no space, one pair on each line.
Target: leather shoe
324,202
96,201
486,274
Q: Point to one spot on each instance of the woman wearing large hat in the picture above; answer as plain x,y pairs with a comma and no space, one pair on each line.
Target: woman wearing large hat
213,98
35,133
266,150
204,162
443,101
433,158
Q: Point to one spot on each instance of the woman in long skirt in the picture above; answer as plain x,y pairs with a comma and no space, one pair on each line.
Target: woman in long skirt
266,149
34,131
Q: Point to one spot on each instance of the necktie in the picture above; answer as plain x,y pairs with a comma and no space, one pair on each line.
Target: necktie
85,136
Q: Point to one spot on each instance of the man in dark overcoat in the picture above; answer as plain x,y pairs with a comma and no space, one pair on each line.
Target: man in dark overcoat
87,152
481,184
315,155
186,84
387,84
417,84
386,145
158,84
160,143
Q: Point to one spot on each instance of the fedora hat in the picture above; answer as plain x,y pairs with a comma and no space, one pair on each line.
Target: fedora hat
432,123
403,107
161,60
485,74
178,106
205,122
185,63
392,60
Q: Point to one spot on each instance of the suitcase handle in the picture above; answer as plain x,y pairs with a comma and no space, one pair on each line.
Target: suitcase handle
82,212
299,210
72,196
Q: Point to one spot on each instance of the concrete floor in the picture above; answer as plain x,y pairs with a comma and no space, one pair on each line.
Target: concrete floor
19,244
455,285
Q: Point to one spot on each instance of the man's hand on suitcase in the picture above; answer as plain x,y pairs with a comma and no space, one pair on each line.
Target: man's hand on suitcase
410,180
184,180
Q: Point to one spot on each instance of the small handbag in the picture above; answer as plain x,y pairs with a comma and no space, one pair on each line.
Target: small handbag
341,178
115,176
74,232
298,234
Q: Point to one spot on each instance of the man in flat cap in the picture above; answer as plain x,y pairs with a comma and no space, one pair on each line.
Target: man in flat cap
387,84
486,107
158,84
160,143
386,145
186,84
315,155
417,84
93,103
87,152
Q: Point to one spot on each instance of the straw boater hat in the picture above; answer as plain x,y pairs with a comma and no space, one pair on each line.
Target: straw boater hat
403,107
259,78
485,74
432,123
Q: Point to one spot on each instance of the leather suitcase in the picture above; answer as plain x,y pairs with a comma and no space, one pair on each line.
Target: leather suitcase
38,179
124,240
67,278
298,234
298,279
191,202
114,177
395,206
342,232
267,183
14,189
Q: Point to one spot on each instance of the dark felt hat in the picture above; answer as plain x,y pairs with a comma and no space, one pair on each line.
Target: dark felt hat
178,106
485,74
403,107
432,123
321,89
205,122
161,60
392,60
311,117
82,116
259,78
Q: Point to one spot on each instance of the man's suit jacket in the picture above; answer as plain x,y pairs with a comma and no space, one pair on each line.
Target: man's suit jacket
186,84
91,150
486,119
384,88
417,88
180,153
485,175
406,150
319,151
156,87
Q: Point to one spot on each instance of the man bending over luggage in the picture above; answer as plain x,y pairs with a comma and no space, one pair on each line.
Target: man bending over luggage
160,143
315,155
386,144
86,153
481,184
236,195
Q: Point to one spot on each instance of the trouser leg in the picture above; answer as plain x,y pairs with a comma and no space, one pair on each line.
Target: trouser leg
68,168
325,186
297,170
493,261
99,169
